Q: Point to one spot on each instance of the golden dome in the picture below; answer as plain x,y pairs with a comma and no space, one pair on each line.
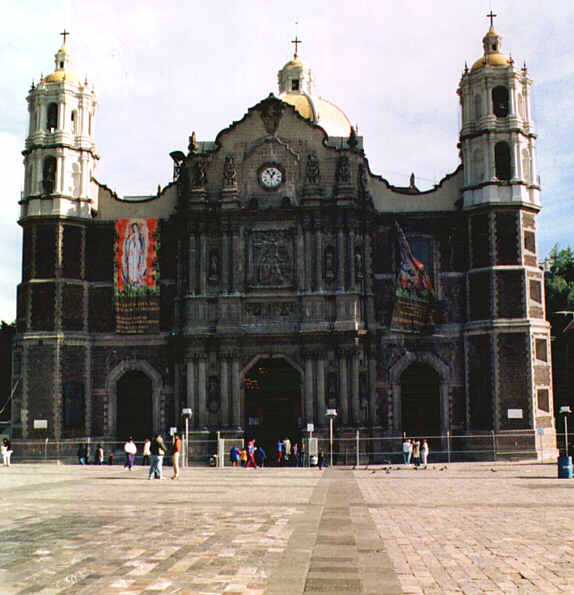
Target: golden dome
495,59
61,75
319,111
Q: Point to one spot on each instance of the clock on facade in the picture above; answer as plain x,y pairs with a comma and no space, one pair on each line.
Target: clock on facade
270,176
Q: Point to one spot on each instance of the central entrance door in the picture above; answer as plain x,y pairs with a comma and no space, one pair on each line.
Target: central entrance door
420,401
135,416
272,403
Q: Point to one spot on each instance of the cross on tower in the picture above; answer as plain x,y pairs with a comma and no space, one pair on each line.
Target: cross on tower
64,34
491,16
296,41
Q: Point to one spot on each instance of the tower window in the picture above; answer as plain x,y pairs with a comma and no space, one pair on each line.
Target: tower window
52,122
295,85
502,161
500,101
49,175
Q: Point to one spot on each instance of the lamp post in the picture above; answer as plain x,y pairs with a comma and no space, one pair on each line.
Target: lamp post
565,411
186,412
331,414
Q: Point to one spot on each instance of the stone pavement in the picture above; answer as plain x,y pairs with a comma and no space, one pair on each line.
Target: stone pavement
465,529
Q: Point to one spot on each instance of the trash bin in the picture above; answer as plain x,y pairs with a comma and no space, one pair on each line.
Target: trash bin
314,461
564,467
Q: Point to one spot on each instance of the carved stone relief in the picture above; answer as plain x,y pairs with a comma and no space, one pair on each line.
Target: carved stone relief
343,173
271,115
271,258
312,171
229,172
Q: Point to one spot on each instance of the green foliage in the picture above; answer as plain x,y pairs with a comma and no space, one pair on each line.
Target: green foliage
559,281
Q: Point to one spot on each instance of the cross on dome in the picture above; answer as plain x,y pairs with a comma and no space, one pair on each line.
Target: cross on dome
64,34
491,16
296,41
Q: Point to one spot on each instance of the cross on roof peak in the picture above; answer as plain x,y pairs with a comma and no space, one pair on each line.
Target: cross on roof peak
64,34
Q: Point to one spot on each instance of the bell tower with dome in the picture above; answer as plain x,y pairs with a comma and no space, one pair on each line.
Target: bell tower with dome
60,155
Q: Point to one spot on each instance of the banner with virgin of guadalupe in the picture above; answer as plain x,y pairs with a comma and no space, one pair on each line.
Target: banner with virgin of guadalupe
136,275
415,301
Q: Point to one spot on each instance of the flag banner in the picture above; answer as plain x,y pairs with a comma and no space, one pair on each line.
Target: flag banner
415,302
136,276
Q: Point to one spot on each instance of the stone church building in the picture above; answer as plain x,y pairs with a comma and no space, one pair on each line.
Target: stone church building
276,276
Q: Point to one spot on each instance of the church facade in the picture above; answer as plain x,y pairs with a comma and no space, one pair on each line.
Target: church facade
276,276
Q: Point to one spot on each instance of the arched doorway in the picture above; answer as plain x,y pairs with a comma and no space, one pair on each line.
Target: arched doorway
272,403
420,400
135,410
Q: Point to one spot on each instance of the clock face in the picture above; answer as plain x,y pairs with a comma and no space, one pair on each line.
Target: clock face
270,176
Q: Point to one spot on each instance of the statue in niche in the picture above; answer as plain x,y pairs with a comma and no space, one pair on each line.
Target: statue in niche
329,263
312,172
229,171
213,397
358,264
199,174
343,173
213,269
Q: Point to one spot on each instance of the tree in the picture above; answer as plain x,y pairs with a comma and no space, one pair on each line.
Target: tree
559,283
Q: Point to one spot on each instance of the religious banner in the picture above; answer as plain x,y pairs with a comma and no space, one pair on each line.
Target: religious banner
415,301
136,275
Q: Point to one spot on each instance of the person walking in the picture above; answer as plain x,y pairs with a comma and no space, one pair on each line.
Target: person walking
243,456
83,454
279,450
416,453
6,449
260,456
146,452
425,450
157,451
407,451
286,450
321,460
234,456
175,454
99,455
130,449
251,455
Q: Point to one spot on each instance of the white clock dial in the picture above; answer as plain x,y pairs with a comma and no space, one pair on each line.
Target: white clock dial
271,176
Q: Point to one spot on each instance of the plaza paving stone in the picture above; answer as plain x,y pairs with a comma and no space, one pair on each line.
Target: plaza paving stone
469,528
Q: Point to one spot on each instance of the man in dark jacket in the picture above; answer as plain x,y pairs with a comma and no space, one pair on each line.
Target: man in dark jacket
157,450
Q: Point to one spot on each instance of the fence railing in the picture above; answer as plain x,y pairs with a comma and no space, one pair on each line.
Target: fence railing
352,449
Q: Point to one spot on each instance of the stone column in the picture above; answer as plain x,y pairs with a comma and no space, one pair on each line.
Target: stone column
321,407
307,256
343,390
236,392
341,259
203,262
373,392
225,413
352,272
224,272
300,272
355,405
319,259
192,264
192,390
308,399
202,390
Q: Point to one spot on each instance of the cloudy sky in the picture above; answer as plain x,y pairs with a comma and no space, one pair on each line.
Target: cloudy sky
162,70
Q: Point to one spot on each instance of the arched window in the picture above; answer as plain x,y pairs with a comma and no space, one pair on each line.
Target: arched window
502,161
500,101
521,106
52,122
74,121
49,175
477,107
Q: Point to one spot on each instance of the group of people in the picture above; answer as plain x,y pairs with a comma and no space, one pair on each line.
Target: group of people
153,453
415,453
6,451
251,457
